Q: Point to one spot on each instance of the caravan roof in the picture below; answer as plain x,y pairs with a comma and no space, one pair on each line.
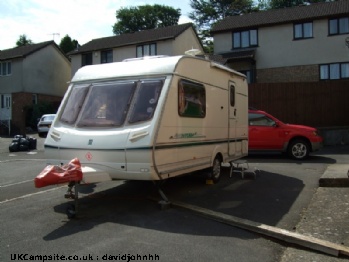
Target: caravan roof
143,67
149,67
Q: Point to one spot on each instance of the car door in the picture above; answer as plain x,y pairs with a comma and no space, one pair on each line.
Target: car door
264,133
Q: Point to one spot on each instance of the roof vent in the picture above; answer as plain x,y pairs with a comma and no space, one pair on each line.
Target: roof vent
193,52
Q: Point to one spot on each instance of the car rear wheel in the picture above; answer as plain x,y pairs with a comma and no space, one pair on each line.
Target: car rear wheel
298,149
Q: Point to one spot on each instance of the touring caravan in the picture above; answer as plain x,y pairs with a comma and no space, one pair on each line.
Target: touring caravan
151,119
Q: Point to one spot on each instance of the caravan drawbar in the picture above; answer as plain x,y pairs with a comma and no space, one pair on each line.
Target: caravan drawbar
151,119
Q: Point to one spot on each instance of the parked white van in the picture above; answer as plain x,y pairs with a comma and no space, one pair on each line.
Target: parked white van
151,119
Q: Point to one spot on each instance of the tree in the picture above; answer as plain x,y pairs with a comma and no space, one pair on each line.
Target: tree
134,19
208,12
263,5
23,40
67,44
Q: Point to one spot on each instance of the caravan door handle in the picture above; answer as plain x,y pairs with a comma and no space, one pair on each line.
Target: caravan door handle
139,135
55,137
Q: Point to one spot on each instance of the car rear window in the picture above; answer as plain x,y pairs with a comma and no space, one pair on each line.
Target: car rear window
48,118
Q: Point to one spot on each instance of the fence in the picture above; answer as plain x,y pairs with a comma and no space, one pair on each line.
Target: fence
320,104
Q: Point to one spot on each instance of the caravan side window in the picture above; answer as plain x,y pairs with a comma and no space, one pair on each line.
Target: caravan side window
191,99
232,95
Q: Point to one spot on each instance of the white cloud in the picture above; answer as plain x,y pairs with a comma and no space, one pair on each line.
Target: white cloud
82,20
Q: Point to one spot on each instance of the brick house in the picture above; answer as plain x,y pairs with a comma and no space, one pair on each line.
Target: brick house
171,41
297,63
29,75
299,44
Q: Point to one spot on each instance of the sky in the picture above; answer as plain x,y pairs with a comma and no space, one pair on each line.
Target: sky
82,20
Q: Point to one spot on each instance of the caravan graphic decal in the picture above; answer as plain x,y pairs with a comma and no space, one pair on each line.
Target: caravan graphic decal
187,135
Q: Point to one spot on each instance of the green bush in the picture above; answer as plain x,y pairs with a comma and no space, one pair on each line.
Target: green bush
34,112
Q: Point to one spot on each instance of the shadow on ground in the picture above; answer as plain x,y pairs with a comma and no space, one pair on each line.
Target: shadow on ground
130,204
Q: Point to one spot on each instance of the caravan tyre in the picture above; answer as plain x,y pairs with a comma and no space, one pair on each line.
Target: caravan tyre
216,169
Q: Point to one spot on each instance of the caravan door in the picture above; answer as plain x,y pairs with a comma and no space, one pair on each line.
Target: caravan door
232,119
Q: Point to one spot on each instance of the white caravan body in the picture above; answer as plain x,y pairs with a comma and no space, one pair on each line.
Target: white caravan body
168,116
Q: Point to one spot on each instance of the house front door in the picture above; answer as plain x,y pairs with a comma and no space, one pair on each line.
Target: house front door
5,107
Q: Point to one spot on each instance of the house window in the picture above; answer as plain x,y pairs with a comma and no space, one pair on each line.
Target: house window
86,59
191,99
5,68
8,101
245,39
146,50
338,26
106,56
303,30
334,71
345,70
34,99
5,101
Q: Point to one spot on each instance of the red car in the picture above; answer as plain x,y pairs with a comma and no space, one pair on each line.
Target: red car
267,133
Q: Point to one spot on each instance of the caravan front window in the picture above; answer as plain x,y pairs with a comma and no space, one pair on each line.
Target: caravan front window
74,104
107,104
191,99
146,100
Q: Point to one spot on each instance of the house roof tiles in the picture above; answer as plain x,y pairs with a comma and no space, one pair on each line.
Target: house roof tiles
240,54
162,33
22,51
282,16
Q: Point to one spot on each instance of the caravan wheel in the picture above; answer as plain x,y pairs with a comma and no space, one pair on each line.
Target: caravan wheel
215,173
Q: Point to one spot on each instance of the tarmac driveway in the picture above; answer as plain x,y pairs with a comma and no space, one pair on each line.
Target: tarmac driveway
117,218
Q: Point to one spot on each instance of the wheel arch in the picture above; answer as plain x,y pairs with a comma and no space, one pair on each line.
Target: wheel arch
217,152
